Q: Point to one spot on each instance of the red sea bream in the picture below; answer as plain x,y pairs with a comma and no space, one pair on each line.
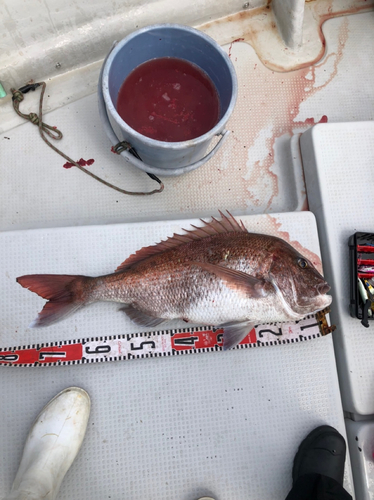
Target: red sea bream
218,274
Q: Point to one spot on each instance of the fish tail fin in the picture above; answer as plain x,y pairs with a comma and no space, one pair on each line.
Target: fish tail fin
65,294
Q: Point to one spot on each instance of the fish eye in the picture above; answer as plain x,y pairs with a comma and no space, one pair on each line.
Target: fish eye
302,263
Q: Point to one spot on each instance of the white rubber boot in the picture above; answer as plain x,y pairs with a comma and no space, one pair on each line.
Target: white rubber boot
52,445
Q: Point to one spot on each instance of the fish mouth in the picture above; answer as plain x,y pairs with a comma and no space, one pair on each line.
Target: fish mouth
325,300
321,302
323,288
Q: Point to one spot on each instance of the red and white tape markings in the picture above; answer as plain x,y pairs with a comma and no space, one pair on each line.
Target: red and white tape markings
155,344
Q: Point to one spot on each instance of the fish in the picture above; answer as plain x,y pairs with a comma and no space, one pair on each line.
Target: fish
218,274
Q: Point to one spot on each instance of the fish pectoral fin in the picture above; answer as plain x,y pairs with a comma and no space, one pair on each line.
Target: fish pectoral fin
237,280
234,333
141,318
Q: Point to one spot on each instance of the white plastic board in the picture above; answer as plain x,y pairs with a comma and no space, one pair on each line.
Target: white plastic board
220,424
338,164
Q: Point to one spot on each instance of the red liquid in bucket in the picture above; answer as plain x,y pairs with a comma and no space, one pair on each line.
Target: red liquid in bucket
169,99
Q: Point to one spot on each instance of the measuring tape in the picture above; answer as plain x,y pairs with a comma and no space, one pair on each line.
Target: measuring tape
161,343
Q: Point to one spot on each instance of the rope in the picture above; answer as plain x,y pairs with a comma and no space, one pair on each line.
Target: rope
54,133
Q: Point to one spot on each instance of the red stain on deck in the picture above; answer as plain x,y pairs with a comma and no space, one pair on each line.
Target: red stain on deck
234,41
81,162
273,101
311,121
265,118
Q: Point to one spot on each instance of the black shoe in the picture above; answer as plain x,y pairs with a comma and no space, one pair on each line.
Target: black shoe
322,452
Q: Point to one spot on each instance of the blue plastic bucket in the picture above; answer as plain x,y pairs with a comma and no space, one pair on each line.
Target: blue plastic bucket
166,40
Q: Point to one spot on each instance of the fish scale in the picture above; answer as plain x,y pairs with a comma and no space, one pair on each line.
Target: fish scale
194,292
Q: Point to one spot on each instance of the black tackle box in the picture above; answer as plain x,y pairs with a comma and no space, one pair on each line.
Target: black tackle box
361,256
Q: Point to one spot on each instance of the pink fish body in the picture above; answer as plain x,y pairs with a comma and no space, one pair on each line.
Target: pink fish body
219,274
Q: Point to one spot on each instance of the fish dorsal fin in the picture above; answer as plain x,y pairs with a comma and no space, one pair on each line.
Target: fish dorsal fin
225,225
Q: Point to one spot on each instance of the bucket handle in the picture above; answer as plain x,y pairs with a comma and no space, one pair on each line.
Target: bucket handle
138,163
172,171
